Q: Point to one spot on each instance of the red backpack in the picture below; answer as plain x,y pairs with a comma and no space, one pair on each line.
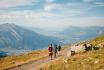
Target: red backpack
50,49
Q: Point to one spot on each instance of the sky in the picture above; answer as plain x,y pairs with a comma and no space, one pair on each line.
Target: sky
56,14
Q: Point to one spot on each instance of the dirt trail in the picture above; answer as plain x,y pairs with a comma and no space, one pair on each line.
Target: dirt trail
39,63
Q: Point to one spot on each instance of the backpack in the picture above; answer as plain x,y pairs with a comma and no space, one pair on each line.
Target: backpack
59,48
50,49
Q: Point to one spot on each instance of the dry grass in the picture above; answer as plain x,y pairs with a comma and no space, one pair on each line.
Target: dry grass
11,61
92,60
83,61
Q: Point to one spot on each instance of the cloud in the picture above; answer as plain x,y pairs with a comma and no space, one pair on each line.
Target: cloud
88,0
38,20
51,14
73,8
47,20
50,1
50,7
88,21
97,4
69,9
4,4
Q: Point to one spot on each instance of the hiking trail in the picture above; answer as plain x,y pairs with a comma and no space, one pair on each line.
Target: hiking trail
35,65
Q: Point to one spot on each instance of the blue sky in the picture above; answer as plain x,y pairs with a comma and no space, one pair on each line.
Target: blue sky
52,13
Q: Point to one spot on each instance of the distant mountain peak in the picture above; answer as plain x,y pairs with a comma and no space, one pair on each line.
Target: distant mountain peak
8,25
18,37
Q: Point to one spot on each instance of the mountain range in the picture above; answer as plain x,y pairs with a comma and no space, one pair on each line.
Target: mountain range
16,37
76,34
72,34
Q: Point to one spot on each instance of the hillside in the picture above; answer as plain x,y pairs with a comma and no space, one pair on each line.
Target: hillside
14,37
76,34
18,60
92,60
30,61
99,41
72,34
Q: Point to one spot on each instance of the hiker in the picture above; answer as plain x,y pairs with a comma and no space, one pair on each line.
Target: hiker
55,50
59,49
50,49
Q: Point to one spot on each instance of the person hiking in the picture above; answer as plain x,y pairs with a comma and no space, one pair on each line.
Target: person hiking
55,50
50,49
59,49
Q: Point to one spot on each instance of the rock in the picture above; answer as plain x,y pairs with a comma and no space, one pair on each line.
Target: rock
78,48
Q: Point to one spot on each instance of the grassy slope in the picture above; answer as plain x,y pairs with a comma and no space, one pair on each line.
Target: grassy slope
93,60
10,61
99,41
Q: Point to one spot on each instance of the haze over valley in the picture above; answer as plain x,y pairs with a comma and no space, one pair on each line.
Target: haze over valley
27,25
15,39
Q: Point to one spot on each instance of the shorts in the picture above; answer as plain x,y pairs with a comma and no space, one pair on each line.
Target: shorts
50,53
